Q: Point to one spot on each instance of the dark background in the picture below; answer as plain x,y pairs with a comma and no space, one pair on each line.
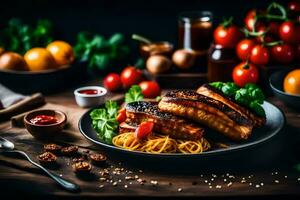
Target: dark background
156,19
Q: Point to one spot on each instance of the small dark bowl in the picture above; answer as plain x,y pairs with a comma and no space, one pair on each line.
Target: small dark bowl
46,81
45,131
276,84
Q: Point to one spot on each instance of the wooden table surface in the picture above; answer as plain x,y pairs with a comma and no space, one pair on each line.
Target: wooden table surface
264,172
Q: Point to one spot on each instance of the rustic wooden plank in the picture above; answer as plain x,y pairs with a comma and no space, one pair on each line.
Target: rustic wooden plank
16,174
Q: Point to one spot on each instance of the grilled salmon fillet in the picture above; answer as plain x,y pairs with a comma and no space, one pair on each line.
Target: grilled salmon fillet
164,123
125,127
214,93
208,111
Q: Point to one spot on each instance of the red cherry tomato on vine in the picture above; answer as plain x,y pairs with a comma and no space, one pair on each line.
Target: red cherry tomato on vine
289,32
259,55
144,129
250,19
243,48
283,53
245,73
131,76
150,89
294,6
112,82
227,37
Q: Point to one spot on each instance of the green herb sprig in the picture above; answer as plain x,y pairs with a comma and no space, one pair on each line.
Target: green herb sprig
104,121
20,37
98,52
134,94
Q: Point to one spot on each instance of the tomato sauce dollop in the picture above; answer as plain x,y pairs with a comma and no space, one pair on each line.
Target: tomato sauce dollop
44,120
89,91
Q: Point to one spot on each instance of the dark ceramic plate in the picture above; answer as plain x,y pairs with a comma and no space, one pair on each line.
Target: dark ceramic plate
276,83
275,122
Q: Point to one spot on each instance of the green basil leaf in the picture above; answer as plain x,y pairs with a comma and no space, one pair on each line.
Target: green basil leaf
229,89
134,94
251,86
242,97
257,108
83,37
116,39
98,42
101,61
258,95
217,85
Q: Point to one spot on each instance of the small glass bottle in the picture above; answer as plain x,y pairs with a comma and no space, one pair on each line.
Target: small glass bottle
221,62
195,30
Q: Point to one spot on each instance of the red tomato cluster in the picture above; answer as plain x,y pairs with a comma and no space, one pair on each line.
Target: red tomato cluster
271,37
128,77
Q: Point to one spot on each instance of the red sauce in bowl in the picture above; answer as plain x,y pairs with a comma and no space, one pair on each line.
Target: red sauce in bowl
44,120
89,91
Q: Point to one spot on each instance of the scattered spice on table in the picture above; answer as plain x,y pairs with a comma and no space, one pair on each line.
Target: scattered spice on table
82,167
69,151
53,148
47,159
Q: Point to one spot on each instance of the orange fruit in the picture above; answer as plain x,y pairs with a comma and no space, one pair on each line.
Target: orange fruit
39,59
291,82
12,61
62,52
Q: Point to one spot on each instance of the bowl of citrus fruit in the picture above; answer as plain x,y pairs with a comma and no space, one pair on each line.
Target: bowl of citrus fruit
286,86
33,61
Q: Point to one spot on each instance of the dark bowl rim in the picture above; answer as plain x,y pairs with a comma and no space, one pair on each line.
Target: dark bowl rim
64,118
47,71
278,90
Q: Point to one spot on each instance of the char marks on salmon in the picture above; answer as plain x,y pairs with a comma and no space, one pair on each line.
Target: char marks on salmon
164,123
208,111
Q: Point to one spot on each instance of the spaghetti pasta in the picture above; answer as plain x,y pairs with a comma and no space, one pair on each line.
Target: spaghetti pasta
160,144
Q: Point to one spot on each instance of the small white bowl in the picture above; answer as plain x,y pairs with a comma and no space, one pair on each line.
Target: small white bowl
90,100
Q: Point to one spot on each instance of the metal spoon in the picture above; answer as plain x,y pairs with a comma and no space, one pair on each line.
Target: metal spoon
7,146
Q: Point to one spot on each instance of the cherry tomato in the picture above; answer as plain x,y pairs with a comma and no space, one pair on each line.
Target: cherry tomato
282,53
259,55
245,73
121,117
112,82
261,28
150,89
243,48
144,129
294,6
289,32
227,37
250,19
131,76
